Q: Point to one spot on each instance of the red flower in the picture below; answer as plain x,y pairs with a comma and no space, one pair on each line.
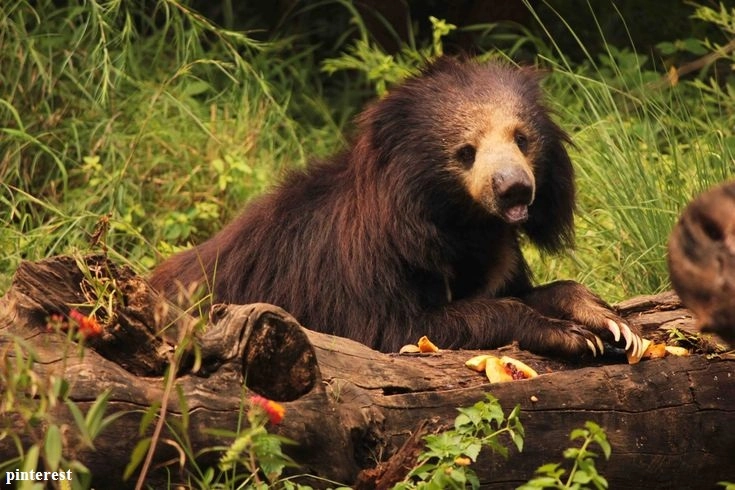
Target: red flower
88,325
275,411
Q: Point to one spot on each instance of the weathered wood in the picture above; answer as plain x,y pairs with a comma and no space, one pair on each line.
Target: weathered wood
349,407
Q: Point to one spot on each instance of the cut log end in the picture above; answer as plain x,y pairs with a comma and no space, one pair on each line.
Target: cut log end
273,352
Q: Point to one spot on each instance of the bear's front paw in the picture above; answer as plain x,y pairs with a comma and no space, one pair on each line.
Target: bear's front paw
562,338
610,327
572,302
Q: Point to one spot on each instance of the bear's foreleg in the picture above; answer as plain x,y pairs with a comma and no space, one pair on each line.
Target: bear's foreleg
486,323
571,301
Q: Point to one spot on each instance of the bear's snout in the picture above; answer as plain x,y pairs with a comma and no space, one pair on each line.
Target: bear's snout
513,190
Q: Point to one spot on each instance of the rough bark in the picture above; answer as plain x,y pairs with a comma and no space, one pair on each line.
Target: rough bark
348,407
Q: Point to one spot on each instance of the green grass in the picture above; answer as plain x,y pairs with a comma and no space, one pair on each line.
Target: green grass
153,117
167,124
642,150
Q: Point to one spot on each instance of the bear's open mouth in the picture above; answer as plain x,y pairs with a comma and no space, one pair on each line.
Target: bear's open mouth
515,214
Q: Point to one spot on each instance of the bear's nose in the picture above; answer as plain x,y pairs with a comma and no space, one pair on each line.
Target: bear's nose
513,190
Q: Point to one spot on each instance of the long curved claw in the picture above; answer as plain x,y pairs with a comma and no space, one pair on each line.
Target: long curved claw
637,345
614,328
600,346
627,334
641,346
591,346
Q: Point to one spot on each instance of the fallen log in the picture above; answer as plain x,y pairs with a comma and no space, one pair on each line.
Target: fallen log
350,409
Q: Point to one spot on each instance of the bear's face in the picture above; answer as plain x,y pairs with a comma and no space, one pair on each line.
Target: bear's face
483,132
495,157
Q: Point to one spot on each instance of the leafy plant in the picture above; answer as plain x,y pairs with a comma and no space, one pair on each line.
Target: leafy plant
29,404
583,473
382,69
446,462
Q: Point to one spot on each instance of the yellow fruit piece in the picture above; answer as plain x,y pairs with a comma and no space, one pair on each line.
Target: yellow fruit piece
477,363
425,345
677,351
655,351
524,370
507,369
409,349
495,370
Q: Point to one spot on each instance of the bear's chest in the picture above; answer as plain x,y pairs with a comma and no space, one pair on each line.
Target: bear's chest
487,273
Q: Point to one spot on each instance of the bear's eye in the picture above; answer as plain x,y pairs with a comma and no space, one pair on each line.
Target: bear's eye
466,155
521,141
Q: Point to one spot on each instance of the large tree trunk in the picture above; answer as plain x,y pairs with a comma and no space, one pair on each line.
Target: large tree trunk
670,421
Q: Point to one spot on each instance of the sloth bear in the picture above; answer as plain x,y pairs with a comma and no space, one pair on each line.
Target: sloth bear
415,228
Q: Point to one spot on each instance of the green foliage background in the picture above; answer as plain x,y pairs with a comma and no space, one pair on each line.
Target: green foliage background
154,117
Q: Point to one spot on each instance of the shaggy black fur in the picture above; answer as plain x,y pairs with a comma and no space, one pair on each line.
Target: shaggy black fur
414,229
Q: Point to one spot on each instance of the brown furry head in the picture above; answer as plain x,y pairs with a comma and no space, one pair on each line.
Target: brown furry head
490,133
702,260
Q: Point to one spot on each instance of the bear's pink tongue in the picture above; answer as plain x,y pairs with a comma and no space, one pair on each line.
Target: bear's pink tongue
516,214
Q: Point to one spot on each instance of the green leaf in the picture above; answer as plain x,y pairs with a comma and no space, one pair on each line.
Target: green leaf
578,434
540,482
694,46
666,48
79,422
81,476
472,478
208,476
60,387
550,469
571,453
514,414
148,417
581,477
52,447
136,457
456,474
30,459
95,415
472,450
195,87
462,420
605,446
517,439
183,407
600,482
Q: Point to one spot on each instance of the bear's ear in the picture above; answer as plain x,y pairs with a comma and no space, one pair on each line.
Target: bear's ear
550,225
